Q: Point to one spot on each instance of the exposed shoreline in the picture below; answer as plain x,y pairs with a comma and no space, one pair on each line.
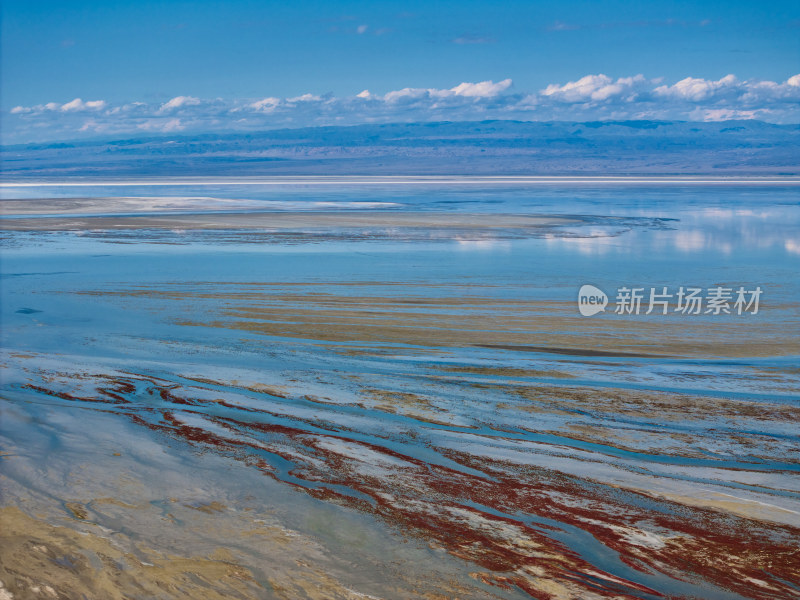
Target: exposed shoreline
282,220
89,181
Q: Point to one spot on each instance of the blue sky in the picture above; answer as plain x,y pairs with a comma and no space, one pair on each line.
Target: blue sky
225,56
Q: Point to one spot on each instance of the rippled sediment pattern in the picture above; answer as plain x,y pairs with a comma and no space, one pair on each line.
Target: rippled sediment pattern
449,394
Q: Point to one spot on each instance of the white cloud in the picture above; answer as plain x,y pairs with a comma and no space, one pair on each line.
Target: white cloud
405,94
594,88
697,90
180,102
305,98
76,104
361,29
79,105
129,108
589,98
761,92
484,89
94,126
266,105
733,94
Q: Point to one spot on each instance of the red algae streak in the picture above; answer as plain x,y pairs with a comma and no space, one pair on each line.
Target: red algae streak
531,529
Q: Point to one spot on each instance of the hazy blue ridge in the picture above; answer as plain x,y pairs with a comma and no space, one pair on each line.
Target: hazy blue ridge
452,148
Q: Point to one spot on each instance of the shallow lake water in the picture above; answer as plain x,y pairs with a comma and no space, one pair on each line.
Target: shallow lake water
396,377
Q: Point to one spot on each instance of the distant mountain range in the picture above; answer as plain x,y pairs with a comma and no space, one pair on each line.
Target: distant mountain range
444,148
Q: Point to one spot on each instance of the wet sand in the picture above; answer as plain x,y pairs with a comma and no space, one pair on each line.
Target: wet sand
505,498
135,519
455,316
282,221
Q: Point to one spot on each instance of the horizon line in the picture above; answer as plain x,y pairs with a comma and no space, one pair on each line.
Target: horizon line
418,180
